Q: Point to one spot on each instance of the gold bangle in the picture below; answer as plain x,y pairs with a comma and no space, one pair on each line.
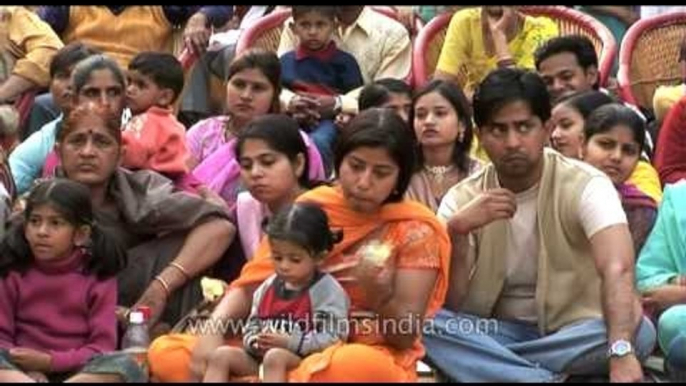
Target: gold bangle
164,284
181,268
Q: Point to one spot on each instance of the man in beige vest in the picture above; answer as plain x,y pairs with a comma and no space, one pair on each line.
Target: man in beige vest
542,269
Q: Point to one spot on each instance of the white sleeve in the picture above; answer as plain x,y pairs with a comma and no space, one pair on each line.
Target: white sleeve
448,207
600,206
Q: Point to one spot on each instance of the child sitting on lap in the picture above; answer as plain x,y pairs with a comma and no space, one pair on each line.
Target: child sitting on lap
295,312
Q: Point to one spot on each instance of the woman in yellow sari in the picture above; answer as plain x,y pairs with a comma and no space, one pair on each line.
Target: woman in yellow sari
393,263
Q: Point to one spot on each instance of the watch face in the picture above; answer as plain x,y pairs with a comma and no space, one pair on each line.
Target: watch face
621,348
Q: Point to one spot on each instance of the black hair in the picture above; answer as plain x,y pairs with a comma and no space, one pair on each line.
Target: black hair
68,56
281,133
305,224
329,12
506,85
162,68
455,96
381,128
73,201
606,117
586,102
579,45
267,63
379,92
83,70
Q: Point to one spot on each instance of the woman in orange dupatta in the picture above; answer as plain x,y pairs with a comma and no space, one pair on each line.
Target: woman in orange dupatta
389,298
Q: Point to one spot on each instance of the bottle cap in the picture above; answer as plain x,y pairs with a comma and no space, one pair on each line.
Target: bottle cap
136,317
146,311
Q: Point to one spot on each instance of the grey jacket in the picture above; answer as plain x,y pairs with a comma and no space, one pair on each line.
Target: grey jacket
329,312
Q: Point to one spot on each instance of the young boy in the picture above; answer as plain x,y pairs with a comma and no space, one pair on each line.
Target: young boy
154,139
318,67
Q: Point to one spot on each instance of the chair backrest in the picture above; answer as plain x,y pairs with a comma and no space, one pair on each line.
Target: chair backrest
427,47
430,40
386,10
264,33
648,57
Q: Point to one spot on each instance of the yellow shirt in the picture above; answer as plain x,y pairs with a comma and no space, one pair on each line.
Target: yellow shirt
464,54
665,97
28,45
380,45
647,180
122,36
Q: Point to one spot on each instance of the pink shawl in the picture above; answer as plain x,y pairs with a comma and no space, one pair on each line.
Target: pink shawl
221,169
632,196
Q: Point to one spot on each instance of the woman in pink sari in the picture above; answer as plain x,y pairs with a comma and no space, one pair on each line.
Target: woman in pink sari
254,84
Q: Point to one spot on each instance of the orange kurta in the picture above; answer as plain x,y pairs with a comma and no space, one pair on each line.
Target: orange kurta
418,240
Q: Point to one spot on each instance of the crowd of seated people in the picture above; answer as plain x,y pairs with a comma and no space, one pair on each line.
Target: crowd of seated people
507,220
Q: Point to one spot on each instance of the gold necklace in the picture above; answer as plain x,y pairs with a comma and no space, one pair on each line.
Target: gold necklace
229,130
438,173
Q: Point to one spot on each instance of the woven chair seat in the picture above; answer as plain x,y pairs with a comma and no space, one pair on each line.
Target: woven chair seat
649,57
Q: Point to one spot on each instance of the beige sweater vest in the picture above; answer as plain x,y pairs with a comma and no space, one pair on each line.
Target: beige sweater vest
568,286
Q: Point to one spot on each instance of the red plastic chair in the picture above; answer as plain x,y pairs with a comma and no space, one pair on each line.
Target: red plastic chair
648,57
386,10
264,33
430,40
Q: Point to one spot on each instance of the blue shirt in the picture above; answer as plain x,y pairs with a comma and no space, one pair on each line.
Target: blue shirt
27,159
329,71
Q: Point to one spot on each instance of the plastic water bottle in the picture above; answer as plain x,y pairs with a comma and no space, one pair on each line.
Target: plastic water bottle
136,339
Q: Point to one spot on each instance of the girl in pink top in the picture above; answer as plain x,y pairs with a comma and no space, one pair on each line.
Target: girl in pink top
58,292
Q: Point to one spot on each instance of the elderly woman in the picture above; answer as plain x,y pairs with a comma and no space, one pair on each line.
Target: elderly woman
91,73
172,237
392,262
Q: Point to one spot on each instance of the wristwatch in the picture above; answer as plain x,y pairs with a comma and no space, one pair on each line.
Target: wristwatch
620,348
338,105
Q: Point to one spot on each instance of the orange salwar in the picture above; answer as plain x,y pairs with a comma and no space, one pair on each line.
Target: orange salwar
419,242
